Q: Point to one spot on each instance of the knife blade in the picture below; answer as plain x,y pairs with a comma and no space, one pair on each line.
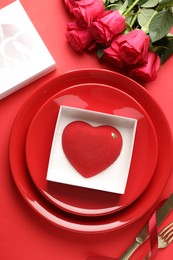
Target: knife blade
161,214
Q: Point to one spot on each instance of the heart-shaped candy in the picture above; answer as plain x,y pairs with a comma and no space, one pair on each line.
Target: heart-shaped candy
89,149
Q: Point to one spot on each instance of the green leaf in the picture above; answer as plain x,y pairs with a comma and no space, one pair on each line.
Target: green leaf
109,2
164,3
114,4
130,2
128,20
166,48
114,7
100,53
160,25
112,1
144,16
141,2
150,3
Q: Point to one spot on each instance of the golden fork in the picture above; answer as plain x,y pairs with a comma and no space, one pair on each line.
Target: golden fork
165,237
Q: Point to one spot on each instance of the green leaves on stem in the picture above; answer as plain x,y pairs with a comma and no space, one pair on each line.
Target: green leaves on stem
154,17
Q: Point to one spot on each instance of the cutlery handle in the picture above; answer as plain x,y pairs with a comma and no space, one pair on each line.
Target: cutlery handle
128,253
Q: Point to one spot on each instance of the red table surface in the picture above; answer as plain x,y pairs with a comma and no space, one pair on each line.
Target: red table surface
24,234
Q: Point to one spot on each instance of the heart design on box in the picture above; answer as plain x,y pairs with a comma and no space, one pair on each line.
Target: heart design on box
89,149
15,45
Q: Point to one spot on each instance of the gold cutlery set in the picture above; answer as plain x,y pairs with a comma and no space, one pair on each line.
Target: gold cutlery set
165,236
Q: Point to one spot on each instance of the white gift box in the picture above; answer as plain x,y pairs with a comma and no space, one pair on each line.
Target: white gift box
112,179
23,54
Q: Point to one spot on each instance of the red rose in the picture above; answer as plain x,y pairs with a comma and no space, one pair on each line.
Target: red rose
86,11
148,71
105,28
112,54
70,5
134,47
78,38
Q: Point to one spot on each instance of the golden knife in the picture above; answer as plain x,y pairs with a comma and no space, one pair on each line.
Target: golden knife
144,233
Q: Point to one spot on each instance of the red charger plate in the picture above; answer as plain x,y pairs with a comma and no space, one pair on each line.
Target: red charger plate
144,204
80,200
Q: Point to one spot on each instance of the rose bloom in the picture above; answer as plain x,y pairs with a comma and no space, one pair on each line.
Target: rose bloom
112,54
79,39
86,11
148,71
133,47
69,4
105,28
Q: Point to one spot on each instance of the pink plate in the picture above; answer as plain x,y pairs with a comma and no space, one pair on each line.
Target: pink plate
80,200
144,204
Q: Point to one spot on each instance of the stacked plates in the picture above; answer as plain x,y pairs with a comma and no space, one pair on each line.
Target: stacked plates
76,208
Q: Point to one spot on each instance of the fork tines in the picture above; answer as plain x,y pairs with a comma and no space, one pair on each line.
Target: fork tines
167,233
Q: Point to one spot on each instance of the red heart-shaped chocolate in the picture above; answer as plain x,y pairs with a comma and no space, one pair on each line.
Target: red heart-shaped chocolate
90,150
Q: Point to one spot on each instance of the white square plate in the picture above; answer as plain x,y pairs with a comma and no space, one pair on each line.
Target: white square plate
114,178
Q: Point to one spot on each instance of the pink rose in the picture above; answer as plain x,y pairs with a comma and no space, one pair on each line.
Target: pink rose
69,4
79,39
112,54
105,28
86,11
148,71
134,47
